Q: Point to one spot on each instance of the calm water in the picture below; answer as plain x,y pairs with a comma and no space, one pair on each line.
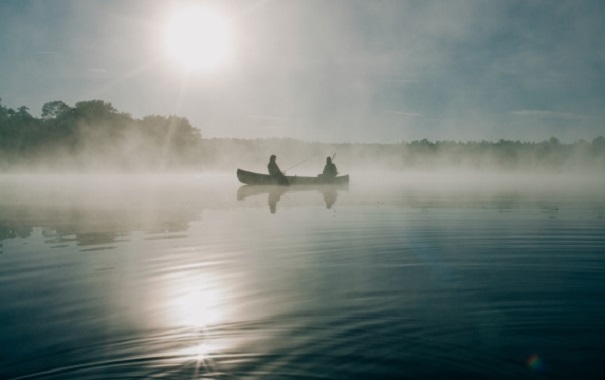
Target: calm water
193,276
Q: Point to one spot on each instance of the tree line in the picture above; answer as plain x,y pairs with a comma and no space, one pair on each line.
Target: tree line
549,155
94,135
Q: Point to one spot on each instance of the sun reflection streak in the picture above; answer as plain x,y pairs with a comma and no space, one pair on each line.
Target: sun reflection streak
197,308
201,354
195,302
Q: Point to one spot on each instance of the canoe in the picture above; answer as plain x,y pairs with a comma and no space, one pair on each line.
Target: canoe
251,178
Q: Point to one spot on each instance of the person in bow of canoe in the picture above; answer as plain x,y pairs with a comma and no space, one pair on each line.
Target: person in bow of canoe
330,170
275,172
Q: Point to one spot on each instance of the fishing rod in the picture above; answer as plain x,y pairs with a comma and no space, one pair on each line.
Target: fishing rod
302,162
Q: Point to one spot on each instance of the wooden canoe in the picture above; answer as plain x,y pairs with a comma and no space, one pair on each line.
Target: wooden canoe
251,178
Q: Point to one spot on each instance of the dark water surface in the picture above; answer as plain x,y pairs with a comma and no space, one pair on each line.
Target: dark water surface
193,276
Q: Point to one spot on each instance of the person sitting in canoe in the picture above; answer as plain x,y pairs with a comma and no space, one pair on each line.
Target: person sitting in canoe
330,170
275,172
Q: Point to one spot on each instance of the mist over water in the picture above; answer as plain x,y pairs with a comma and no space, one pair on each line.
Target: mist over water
417,275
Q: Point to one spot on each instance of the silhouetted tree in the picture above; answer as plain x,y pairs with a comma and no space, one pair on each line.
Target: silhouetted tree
94,132
599,142
55,109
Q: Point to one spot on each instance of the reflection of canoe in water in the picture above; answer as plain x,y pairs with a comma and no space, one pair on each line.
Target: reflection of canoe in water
248,190
276,191
251,178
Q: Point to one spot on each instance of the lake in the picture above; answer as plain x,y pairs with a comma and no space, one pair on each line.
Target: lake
415,275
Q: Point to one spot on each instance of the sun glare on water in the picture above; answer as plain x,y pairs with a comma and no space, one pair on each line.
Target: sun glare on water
197,38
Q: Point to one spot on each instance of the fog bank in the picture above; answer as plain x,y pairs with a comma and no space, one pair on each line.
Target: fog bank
93,136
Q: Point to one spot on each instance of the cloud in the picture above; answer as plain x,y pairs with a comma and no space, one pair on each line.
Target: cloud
266,117
405,81
544,114
414,114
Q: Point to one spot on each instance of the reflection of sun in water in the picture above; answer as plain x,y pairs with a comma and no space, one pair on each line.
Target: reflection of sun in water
199,353
196,303
197,38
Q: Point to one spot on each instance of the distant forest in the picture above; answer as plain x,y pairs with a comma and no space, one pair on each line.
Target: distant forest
93,135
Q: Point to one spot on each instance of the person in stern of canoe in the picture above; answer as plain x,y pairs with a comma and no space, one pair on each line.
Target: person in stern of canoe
330,170
275,172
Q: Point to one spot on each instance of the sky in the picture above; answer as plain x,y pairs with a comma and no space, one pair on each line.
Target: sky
322,71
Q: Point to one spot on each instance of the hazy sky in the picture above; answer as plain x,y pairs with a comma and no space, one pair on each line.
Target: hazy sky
329,71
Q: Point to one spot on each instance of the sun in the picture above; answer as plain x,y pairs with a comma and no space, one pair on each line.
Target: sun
197,38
